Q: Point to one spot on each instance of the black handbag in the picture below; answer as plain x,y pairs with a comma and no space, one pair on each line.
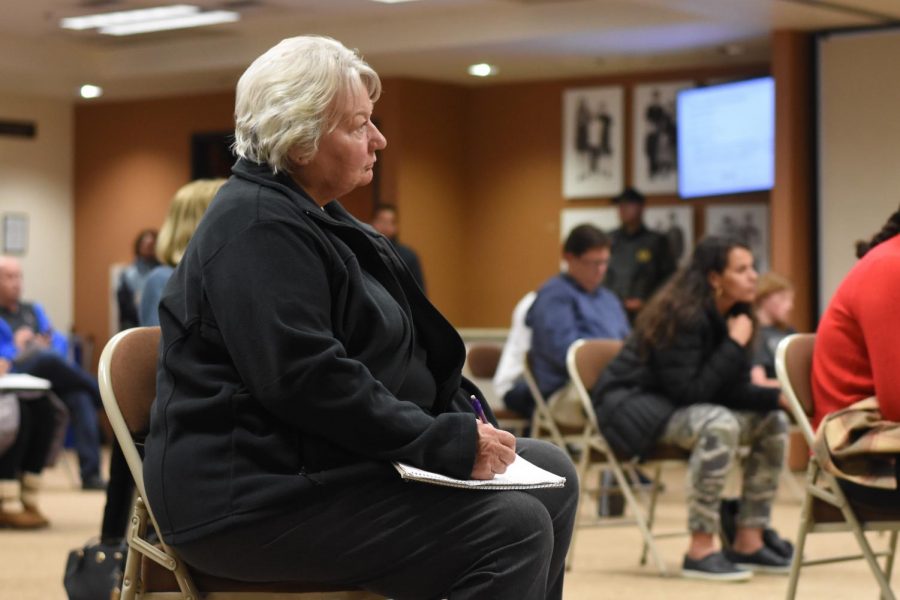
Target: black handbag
94,571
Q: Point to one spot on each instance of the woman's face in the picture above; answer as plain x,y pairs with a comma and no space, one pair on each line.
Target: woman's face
346,155
778,305
738,281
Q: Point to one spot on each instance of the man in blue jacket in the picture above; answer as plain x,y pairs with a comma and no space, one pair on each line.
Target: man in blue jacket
570,306
28,341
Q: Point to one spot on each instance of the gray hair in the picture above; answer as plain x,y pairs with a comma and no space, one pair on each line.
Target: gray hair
290,96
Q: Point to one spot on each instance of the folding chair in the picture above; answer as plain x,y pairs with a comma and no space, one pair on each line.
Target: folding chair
586,360
826,506
481,361
545,423
127,375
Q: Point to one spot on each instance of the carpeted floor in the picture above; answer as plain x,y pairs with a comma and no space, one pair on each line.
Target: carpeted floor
605,562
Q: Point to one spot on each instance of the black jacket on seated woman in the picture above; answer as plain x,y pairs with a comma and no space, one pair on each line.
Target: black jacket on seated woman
635,397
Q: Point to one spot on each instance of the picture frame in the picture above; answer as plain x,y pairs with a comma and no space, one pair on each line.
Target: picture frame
602,217
748,223
15,233
654,148
676,223
592,142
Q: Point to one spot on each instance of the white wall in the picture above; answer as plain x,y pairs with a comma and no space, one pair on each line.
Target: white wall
859,146
36,180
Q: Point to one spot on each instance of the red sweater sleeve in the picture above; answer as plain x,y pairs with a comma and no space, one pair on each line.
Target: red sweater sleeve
878,313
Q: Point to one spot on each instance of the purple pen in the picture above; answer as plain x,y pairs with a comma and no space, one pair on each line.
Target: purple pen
478,410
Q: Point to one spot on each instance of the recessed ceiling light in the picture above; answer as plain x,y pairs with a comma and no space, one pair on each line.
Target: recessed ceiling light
731,49
123,17
201,19
482,70
91,91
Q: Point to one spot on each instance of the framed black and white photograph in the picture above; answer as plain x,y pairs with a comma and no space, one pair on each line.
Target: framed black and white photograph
655,147
677,224
602,217
15,233
748,223
592,142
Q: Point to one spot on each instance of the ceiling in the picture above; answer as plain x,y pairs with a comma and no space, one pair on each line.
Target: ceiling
425,39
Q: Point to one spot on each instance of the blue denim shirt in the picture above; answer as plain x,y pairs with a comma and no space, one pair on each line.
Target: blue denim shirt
562,313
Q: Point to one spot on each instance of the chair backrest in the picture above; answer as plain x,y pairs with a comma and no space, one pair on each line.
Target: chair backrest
483,358
793,366
586,360
127,377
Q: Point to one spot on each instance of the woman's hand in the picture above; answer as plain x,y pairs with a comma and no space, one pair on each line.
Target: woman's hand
496,451
740,329
5,366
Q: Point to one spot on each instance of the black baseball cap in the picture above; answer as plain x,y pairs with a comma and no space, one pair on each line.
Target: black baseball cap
629,195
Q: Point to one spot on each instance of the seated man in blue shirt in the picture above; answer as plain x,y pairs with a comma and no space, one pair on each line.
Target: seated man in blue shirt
570,306
29,342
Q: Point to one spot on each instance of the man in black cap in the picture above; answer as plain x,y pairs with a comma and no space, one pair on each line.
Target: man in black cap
641,259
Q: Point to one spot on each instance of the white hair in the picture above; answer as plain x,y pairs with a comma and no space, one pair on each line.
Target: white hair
290,96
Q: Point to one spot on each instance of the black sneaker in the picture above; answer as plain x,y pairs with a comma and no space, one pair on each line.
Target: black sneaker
764,560
777,544
714,567
93,482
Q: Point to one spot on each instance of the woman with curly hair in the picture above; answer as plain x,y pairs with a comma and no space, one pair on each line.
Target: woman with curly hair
683,378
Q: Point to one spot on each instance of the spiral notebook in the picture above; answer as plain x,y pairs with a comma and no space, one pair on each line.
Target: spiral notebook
520,475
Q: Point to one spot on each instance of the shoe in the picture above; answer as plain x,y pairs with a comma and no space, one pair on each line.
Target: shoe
93,482
714,567
764,560
778,544
26,519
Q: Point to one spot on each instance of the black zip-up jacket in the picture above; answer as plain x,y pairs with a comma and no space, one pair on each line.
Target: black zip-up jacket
288,332
636,395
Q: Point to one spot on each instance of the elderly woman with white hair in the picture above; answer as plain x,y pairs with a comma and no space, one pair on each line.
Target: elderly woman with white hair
299,358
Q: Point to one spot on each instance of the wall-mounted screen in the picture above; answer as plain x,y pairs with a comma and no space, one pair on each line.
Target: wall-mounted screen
726,138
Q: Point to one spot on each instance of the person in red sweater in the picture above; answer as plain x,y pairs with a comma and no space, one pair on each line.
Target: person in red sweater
857,355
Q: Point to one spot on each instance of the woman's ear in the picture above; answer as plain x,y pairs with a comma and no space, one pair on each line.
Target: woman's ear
715,282
297,157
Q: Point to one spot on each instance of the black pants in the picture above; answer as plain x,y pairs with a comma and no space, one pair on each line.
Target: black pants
411,540
119,497
29,452
80,394
519,399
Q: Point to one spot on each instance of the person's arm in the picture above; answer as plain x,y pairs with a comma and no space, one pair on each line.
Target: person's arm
553,327
876,311
686,377
57,341
269,290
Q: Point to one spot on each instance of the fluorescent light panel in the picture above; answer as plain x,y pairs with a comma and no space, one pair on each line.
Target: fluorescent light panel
91,91
124,17
195,20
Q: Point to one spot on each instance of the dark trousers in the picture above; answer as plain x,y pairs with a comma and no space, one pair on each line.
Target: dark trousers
519,399
411,540
80,394
119,497
29,452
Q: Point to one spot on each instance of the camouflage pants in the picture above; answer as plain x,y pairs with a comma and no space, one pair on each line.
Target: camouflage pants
713,434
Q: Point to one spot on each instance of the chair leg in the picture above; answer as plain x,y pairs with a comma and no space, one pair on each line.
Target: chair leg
651,511
632,502
889,559
803,530
132,561
582,469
